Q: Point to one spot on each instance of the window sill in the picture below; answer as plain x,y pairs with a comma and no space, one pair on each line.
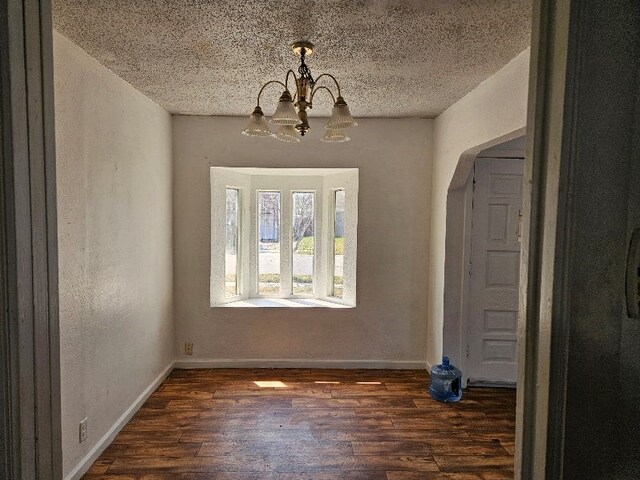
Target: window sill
282,303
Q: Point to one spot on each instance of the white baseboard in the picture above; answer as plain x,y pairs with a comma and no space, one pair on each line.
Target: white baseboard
108,437
300,363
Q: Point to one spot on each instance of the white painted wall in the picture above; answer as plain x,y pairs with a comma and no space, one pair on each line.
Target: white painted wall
456,275
492,113
387,327
115,245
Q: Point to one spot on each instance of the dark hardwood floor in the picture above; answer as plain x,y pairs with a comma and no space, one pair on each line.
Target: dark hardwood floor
316,424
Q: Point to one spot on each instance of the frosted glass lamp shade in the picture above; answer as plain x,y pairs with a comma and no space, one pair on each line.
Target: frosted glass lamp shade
341,116
287,133
334,135
258,126
285,113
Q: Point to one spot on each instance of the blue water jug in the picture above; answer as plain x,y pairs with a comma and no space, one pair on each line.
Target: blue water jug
446,382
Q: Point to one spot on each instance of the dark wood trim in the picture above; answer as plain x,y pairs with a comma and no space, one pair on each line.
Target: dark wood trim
30,365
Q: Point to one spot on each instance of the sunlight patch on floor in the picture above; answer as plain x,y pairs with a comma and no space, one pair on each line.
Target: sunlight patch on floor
270,384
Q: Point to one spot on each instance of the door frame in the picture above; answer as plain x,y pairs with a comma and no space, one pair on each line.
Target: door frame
538,427
574,46
30,427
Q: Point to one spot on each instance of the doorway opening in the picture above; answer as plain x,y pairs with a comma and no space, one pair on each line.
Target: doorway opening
482,263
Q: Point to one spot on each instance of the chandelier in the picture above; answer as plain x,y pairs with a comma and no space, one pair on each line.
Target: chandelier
292,124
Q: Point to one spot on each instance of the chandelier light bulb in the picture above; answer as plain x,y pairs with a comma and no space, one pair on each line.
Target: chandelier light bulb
257,126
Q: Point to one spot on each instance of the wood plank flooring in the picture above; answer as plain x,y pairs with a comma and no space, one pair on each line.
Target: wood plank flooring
315,424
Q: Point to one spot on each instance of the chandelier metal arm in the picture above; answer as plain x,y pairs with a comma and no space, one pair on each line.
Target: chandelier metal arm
286,80
333,78
265,85
321,87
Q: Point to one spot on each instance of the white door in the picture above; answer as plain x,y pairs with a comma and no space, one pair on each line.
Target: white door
492,306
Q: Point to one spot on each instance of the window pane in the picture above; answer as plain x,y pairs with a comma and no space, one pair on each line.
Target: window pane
338,243
268,243
303,242
231,263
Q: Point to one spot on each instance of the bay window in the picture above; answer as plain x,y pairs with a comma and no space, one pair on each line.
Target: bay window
283,237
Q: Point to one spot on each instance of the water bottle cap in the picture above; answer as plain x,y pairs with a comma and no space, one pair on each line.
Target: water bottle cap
445,360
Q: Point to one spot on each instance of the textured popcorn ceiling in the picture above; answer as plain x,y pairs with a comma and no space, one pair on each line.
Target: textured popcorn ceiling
394,58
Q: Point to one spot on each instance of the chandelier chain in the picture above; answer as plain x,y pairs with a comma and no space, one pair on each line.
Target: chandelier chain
303,70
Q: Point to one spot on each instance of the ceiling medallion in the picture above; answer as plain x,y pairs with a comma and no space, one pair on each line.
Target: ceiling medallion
293,124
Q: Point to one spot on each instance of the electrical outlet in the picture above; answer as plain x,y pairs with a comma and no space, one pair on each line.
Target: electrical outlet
83,430
188,348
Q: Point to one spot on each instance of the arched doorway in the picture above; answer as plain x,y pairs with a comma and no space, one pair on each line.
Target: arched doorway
482,262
